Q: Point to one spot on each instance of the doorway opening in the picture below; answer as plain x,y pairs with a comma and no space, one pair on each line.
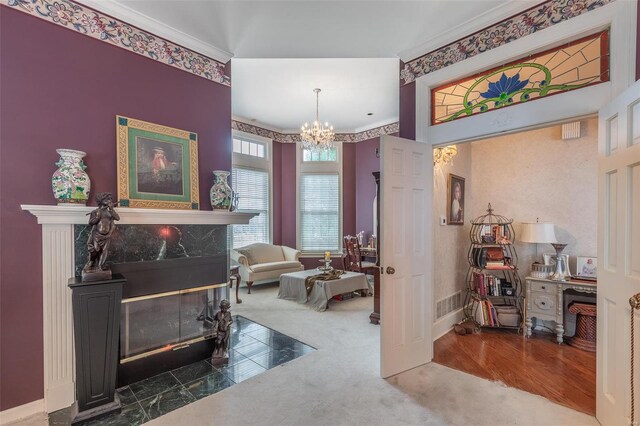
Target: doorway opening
527,177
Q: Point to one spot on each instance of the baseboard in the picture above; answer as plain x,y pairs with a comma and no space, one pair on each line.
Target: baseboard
22,411
444,324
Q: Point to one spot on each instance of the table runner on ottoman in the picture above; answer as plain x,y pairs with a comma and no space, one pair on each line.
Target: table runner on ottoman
292,287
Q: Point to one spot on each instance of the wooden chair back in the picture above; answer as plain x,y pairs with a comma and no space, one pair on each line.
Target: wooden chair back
353,256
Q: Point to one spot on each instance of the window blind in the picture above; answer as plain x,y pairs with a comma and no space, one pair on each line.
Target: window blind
252,187
319,212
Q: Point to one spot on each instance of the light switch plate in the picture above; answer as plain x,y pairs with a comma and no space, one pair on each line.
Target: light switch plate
443,220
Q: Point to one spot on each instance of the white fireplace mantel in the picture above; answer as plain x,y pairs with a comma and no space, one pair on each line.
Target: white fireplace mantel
58,266
77,215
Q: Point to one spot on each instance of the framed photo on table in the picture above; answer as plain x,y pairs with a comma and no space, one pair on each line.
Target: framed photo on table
586,267
455,200
157,165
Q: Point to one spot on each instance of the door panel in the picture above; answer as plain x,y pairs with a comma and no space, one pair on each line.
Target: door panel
618,254
406,193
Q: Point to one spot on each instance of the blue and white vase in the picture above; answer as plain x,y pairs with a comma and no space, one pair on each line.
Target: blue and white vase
70,183
220,193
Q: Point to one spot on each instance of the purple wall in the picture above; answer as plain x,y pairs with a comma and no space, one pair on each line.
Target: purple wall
408,111
61,89
288,191
277,192
365,184
349,165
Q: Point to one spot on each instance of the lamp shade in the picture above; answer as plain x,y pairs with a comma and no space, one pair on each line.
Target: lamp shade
537,232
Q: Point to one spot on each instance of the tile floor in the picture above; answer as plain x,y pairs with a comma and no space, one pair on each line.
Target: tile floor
255,349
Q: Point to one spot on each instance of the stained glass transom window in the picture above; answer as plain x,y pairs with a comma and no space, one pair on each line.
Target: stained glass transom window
572,66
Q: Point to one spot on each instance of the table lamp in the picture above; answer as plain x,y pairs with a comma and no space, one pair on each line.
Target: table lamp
538,233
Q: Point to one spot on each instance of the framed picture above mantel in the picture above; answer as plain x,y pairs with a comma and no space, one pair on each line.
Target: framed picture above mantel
157,165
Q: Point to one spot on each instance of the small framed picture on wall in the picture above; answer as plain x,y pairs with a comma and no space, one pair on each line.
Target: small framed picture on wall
455,200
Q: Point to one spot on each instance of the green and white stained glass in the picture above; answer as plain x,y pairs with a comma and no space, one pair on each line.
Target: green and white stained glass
572,66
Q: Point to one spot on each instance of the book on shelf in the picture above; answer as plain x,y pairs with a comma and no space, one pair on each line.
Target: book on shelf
488,314
489,285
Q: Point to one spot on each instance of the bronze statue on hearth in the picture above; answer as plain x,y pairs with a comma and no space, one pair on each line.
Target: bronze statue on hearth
221,331
102,221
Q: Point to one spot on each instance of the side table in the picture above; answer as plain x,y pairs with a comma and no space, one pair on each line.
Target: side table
545,301
234,275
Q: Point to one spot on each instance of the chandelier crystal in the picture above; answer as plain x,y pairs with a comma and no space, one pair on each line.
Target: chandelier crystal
318,136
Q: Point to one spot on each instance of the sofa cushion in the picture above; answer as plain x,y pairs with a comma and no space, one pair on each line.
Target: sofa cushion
264,253
273,266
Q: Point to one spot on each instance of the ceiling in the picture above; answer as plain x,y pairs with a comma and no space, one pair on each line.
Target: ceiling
279,92
278,48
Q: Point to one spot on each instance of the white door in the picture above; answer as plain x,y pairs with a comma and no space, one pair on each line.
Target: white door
618,254
406,209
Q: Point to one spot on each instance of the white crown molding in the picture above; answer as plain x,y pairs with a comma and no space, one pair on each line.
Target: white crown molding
485,19
146,23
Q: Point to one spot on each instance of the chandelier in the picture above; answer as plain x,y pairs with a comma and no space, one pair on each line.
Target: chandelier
444,155
318,137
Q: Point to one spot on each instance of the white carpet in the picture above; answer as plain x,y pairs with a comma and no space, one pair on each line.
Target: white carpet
339,384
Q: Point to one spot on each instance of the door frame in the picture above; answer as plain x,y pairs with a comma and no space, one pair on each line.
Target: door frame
620,16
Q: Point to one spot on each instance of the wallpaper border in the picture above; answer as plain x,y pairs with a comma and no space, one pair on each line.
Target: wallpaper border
99,26
537,18
375,132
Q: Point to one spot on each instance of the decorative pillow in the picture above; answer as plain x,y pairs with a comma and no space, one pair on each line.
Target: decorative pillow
248,255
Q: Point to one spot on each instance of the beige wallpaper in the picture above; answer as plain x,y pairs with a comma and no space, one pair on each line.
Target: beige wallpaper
451,241
524,176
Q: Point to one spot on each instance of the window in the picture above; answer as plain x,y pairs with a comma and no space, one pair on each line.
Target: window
324,155
251,180
571,66
319,220
319,212
248,147
252,187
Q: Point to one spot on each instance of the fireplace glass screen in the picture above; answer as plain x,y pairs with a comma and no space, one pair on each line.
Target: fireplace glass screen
160,322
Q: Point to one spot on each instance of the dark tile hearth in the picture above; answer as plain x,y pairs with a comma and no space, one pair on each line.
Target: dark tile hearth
254,349
166,401
154,385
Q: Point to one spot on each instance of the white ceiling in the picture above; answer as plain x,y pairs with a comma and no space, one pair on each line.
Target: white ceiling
279,92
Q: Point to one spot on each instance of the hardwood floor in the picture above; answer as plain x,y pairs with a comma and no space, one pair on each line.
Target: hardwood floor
560,373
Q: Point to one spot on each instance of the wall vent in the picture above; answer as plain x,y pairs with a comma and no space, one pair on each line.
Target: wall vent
571,130
448,304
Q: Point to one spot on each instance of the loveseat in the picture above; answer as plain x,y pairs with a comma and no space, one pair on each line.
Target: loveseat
265,262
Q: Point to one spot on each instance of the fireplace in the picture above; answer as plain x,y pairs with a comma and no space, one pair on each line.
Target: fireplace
176,277
63,254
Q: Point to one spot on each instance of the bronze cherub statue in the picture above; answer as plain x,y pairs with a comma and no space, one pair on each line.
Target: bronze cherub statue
102,221
221,332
